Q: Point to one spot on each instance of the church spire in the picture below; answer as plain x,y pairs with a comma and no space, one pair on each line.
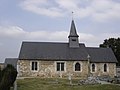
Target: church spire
73,36
73,32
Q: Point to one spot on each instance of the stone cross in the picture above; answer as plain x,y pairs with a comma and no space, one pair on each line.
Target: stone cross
70,78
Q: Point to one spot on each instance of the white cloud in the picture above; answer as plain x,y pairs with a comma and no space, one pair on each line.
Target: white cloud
17,33
12,36
11,32
99,10
41,7
110,35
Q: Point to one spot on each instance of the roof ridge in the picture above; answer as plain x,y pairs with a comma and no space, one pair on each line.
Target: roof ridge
43,42
97,48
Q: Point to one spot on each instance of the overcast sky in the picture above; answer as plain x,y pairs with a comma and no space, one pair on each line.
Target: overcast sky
49,20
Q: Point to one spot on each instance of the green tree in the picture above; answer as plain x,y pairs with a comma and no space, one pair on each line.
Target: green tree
0,74
113,43
9,75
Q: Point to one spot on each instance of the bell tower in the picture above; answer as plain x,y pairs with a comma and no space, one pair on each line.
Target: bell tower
73,36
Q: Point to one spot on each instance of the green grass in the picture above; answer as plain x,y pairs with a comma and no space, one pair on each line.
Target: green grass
49,84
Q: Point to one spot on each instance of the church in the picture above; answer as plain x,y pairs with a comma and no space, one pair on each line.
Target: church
54,60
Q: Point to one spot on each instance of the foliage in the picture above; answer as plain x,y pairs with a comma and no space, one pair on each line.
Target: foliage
49,84
113,43
0,74
9,75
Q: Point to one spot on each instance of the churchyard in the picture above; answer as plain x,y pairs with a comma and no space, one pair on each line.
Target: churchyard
61,84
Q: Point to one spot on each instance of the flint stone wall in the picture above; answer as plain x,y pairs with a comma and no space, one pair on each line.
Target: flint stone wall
47,69
99,70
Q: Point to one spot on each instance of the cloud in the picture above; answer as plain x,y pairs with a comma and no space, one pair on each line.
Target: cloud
11,32
98,10
12,36
17,33
41,7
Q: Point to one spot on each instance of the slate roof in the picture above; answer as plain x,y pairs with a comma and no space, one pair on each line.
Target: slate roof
12,61
61,51
101,55
52,51
73,32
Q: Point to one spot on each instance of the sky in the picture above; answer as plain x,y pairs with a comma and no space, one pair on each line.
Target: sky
50,20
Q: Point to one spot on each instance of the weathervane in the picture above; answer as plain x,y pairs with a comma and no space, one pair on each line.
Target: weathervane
72,15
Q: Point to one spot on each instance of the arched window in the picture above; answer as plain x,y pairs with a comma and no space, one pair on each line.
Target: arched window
77,67
93,67
105,67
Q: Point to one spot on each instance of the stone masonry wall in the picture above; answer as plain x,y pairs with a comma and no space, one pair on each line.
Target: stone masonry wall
47,69
99,70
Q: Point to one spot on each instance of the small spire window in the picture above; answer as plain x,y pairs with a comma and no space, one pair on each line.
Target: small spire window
73,39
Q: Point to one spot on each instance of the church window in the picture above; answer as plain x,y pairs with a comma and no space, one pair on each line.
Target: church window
60,66
77,67
93,67
105,67
34,66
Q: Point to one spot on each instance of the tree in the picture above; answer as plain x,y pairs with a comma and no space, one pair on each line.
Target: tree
113,43
0,74
9,75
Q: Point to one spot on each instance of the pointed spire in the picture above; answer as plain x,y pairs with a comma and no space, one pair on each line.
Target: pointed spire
73,32
73,37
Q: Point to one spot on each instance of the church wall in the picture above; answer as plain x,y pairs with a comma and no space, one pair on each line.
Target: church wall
99,70
70,69
47,69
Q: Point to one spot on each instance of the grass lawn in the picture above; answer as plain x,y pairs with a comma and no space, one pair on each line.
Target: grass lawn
49,84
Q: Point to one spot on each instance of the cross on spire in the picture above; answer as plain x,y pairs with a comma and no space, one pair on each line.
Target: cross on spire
72,15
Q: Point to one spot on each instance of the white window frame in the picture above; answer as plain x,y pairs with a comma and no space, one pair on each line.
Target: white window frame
60,66
37,66
91,67
80,66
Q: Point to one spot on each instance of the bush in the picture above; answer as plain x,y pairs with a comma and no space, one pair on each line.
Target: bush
9,75
0,74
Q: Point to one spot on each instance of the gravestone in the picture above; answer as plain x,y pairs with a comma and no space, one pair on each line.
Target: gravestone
70,79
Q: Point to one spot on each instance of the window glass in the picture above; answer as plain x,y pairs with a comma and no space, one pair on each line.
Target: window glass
34,66
105,67
93,67
77,67
73,39
60,66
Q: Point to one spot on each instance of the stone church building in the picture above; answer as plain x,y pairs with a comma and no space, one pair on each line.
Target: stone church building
51,59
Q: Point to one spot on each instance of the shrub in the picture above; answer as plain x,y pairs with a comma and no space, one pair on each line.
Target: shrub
0,74
9,74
